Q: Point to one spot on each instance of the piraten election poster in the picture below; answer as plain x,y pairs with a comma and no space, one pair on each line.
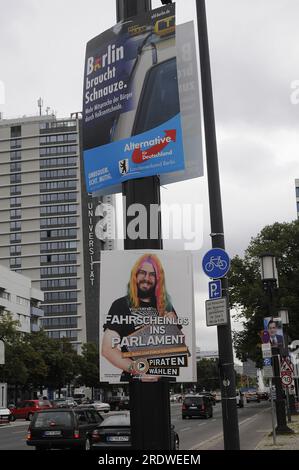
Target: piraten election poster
147,327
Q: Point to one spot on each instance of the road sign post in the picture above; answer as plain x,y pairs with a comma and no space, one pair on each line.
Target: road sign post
226,358
150,402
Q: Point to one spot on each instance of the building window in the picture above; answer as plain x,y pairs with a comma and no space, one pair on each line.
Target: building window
4,295
15,226
63,322
58,162
15,263
59,246
15,202
58,139
15,190
58,174
61,209
63,150
15,250
57,125
16,155
61,296
58,234
15,132
57,185
15,238
15,178
54,310
15,167
58,271
16,144
58,222
59,284
59,259
16,214
58,197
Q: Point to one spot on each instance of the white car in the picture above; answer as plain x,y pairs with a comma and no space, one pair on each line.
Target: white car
98,406
5,415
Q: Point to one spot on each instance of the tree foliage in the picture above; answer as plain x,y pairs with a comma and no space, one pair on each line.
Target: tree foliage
246,291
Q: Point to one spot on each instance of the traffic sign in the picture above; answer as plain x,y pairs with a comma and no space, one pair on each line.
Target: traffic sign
216,312
286,379
216,263
266,350
286,365
215,290
267,362
268,372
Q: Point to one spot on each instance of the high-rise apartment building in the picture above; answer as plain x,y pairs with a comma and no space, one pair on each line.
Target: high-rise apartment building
41,232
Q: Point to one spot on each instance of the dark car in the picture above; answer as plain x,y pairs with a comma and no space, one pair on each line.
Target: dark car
63,428
263,395
198,406
115,433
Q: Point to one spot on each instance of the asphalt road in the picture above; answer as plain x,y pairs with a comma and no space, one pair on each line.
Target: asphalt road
195,434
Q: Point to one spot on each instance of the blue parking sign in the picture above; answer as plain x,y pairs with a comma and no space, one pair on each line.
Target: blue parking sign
268,361
215,290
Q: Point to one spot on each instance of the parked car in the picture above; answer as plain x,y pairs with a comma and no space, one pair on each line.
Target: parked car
239,399
197,405
27,408
64,403
5,415
263,395
115,433
98,406
119,403
252,397
63,428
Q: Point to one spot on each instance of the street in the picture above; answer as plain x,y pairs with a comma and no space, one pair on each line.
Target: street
195,434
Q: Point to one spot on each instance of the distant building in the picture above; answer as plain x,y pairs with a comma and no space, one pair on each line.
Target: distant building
206,354
297,197
48,222
21,300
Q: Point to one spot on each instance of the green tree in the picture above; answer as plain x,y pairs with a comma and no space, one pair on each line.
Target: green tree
246,291
8,328
207,374
89,366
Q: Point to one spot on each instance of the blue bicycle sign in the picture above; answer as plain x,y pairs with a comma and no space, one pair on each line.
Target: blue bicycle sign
216,263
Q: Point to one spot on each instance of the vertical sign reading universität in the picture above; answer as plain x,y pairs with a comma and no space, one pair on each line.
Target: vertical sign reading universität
131,107
147,326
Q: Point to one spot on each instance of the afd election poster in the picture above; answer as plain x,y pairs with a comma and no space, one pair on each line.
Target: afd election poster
147,327
131,107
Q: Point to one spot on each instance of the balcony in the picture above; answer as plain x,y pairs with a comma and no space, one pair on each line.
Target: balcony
35,327
36,312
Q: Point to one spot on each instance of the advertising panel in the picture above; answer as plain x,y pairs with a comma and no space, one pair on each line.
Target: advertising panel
147,327
132,121
275,330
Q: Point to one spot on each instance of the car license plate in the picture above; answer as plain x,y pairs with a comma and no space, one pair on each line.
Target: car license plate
118,439
52,433
193,406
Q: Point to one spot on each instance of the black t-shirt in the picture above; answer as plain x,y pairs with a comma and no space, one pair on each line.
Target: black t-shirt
121,317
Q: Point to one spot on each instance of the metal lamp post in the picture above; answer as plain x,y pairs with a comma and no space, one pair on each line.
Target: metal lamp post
269,277
283,313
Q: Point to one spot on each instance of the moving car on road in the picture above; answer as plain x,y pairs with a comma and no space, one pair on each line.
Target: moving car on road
119,403
198,406
5,415
115,433
252,397
240,399
64,403
63,428
27,408
98,406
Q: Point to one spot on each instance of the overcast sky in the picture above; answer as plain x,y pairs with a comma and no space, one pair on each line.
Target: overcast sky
255,58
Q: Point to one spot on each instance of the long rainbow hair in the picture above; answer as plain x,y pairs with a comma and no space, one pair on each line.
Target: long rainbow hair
162,297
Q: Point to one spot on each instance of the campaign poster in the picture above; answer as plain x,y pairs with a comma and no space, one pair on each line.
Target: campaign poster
147,327
274,328
131,106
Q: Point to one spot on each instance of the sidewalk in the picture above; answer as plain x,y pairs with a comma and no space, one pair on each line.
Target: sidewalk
287,442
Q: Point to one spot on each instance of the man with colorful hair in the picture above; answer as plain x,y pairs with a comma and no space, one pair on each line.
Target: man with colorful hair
146,297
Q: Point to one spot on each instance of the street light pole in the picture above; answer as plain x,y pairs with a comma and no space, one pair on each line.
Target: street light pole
269,278
226,358
149,402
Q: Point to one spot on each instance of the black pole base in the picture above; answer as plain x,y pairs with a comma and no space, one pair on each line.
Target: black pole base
284,430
